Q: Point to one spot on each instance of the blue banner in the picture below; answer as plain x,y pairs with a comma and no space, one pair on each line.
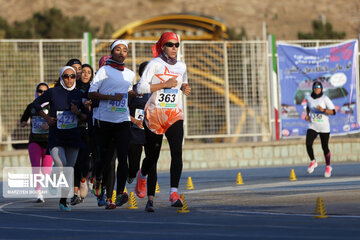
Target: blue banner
334,66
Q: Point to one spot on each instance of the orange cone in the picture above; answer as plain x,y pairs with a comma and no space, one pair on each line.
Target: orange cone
239,179
292,176
320,211
189,184
184,208
157,189
132,202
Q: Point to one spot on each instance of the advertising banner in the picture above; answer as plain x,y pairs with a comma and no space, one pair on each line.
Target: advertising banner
335,67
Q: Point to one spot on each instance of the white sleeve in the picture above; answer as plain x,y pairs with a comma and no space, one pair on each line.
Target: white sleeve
96,83
329,104
143,86
185,78
132,81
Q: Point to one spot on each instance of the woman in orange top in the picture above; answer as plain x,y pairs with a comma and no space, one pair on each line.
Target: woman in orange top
164,77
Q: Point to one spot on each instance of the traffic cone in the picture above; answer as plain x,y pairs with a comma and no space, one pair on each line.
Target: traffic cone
125,190
132,202
189,184
239,179
184,208
320,209
113,197
292,176
157,189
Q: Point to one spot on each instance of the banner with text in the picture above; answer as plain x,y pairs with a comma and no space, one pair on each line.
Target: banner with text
334,66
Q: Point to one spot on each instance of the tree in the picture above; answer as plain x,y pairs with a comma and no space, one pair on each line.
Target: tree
108,30
4,27
234,35
51,24
322,31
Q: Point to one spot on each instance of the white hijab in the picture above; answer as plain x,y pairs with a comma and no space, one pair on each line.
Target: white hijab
62,70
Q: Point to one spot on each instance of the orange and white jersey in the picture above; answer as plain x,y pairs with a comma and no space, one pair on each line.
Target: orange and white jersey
164,107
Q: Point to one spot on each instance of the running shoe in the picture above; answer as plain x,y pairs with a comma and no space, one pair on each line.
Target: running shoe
97,188
175,200
130,180
312,166
328,171
140,188
121,199
40,198
83,188
75,200
101,201
65,208
110,204
149,206
91,183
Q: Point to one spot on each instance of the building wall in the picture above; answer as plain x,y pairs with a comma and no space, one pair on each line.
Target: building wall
244,155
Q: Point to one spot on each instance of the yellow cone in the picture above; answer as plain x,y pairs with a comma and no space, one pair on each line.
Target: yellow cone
292,176
184,208
239,179
157,189
113,197
189,184
132,202
125,190
320,211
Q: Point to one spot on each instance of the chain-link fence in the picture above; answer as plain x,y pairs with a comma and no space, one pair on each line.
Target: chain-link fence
230,82
23,64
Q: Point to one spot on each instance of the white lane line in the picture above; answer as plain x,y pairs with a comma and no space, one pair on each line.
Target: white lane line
274,213
107,221
122,231
276,185
196,233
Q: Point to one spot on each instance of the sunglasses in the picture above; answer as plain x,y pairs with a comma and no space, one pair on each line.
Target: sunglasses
170,44
317,86
40,91
72,76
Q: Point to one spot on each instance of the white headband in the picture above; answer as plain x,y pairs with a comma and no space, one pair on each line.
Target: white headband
119,42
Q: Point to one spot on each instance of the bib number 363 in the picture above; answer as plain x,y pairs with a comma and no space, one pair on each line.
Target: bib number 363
167,98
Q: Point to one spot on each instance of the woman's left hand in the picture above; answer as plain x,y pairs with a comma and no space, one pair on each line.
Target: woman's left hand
186,89
320,109
75,110
44,126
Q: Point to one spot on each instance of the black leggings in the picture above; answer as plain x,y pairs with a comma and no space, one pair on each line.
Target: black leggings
310,138
174,135
134,157
82,165
110,137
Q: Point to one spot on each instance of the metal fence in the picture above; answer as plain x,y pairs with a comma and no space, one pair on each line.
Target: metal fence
23,64
229,80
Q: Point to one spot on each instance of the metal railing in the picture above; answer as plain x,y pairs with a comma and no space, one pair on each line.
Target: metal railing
230,83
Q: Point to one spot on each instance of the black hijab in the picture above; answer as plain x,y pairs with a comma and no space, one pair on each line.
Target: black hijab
313,95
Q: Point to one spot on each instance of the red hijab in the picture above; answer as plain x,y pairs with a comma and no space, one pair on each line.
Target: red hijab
165,37
103,59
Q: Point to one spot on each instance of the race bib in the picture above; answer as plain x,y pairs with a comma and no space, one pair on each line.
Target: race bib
118,106
66,120
167,98
36,122
318,117
139,114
